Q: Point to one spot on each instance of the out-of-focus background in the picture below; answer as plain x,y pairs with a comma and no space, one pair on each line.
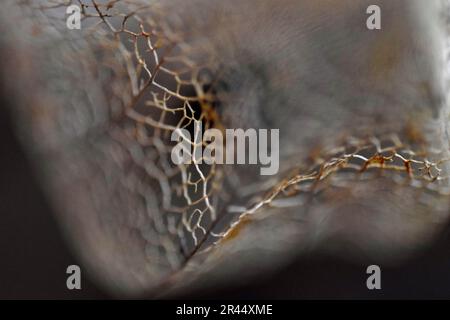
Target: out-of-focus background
34,255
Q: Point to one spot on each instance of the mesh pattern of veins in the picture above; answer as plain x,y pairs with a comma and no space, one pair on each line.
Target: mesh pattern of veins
169,90
359,160
157,84
170,84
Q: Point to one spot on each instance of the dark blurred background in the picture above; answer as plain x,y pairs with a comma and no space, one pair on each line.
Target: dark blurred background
34,256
